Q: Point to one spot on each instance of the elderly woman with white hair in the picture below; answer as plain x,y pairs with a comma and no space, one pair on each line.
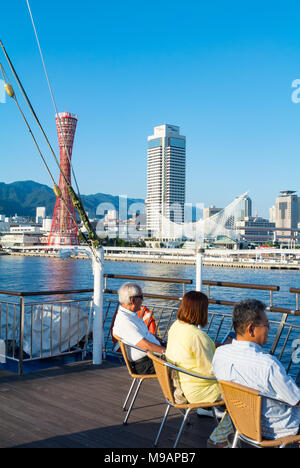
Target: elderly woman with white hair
131,329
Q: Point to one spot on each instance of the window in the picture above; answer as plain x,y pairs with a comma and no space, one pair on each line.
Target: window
177,142
154,143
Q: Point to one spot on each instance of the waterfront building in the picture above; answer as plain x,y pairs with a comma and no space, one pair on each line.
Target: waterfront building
287,213
21,236
166,175
40,214
256,229
46,226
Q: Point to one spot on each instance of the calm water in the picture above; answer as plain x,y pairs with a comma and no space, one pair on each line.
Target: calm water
44,274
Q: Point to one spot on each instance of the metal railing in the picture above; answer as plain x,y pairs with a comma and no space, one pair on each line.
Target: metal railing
35,330
39,330
284,337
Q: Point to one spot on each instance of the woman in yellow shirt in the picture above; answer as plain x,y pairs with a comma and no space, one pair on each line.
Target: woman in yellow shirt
191,348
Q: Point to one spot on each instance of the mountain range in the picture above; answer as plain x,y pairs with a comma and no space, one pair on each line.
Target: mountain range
24,197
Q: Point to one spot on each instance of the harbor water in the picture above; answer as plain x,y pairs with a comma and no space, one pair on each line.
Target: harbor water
45,274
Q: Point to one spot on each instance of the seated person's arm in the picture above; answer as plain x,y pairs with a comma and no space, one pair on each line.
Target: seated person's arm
148,346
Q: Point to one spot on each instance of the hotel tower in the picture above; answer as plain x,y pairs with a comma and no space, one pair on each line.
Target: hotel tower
165,178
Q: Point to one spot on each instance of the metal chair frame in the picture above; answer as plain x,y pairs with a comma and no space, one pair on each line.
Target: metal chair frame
136,378
163,369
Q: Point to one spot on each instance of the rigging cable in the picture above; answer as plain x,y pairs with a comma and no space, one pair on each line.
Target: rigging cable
93,240
51,92
11,93
31,109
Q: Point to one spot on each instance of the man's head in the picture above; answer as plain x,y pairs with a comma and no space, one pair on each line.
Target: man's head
250,321
131,296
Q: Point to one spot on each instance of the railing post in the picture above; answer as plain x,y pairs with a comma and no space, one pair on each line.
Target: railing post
199,268
21,340
278,334
98,307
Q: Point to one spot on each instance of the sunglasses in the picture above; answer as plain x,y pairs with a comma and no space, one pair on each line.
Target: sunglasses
266,325
138,297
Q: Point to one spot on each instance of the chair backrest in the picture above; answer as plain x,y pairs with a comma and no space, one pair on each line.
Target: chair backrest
244,407
124,354
163,374
113,338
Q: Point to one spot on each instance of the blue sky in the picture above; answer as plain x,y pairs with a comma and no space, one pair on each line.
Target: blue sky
222,71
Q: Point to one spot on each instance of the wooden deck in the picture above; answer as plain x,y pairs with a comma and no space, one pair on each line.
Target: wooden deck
80,406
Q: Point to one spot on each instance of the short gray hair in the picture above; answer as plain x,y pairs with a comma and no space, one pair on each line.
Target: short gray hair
128,290
246,312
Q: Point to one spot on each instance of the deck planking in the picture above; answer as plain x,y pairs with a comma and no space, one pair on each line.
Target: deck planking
80,406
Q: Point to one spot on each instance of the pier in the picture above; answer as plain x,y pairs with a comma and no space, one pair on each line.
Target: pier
264,258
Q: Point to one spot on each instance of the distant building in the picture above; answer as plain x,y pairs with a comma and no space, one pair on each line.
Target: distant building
256,229
225,242
272,214
111,215
21,236
46,226
40,214
287,212
210,211
166,172
4,227
246,211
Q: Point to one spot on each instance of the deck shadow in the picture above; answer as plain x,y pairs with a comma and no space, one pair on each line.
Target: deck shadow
133,435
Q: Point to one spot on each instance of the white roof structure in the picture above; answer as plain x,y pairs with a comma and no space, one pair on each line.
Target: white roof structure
222,223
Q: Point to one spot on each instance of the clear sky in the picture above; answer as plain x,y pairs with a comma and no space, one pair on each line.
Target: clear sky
221,70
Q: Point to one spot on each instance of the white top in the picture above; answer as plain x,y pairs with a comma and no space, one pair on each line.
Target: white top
131,329
247,364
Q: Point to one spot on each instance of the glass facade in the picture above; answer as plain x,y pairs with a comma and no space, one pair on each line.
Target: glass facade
154,143
177,142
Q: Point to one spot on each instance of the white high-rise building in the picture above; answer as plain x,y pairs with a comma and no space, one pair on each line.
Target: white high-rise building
40,214
165,178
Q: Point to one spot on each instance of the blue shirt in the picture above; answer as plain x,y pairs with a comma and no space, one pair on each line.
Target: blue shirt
247,364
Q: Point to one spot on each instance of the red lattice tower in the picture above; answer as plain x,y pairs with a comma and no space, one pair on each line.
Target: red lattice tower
64,230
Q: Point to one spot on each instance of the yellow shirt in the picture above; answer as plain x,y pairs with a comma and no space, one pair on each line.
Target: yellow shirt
191,348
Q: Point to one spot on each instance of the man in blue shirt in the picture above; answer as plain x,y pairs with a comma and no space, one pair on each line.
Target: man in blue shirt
244,362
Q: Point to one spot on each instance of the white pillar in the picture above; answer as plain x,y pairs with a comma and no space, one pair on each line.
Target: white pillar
199,268
98,308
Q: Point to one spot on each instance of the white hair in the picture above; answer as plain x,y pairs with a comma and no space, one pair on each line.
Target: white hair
128,290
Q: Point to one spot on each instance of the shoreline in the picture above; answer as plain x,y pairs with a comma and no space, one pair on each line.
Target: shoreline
173,261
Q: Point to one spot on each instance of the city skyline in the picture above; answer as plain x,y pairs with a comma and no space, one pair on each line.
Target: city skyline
225,74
